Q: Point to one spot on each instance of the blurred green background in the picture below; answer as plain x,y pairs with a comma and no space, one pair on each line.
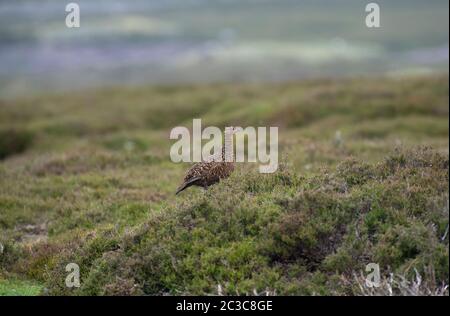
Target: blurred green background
173,41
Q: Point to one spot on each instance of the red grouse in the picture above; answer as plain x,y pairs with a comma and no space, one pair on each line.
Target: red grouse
213,169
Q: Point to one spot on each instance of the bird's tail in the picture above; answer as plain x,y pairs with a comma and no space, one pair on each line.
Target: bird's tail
186,185
181,188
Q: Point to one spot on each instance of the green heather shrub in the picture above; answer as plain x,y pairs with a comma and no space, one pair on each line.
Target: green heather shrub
279,233
9,255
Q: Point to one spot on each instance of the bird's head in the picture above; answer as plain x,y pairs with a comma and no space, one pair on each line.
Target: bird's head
232,129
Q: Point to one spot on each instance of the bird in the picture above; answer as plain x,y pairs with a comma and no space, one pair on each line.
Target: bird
213,169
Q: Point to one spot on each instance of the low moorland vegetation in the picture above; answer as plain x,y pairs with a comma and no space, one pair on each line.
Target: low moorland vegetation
363,178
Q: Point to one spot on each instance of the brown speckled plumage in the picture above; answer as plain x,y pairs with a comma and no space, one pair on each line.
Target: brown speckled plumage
206,173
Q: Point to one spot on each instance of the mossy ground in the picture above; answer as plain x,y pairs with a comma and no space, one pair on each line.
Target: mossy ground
363,178
19,288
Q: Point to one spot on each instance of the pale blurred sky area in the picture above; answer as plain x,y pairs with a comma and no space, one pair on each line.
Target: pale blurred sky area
162,42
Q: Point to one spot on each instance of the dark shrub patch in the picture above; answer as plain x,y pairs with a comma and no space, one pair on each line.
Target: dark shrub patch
13,141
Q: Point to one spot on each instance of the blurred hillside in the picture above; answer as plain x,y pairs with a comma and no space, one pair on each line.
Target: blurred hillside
185,41
86,178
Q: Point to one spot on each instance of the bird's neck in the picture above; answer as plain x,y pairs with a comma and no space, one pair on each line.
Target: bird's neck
228,150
